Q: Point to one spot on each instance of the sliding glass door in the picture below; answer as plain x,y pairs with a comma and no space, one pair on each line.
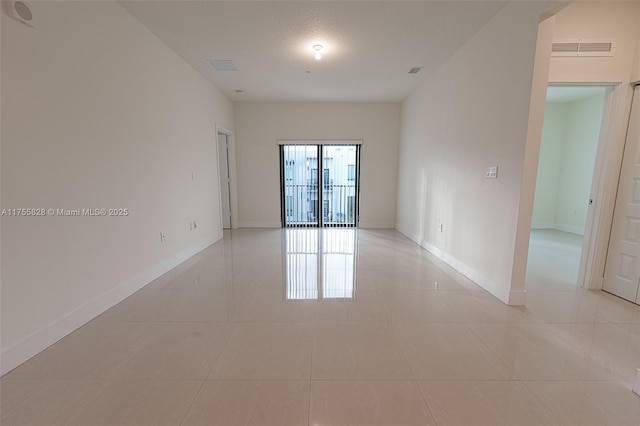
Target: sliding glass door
319,185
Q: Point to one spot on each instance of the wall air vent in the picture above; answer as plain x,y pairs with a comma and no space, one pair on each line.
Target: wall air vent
223,65
583,47
415,70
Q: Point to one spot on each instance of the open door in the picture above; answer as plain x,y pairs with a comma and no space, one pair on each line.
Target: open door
622,270
225,181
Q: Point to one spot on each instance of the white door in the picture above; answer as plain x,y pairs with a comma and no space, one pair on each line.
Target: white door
223,163
622,272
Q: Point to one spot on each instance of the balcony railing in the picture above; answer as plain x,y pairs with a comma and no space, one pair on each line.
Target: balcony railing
312,185
337,208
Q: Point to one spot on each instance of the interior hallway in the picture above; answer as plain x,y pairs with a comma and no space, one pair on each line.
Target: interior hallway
227,339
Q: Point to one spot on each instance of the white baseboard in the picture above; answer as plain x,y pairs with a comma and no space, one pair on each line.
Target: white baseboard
543,226
41,339
571,229
559,227
597,283
504,294
376,225
259,224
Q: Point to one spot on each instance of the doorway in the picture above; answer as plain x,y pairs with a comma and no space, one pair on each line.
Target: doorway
568,151
319,185
225,179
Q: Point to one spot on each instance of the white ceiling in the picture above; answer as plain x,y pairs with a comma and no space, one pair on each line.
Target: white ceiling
571,94
369,46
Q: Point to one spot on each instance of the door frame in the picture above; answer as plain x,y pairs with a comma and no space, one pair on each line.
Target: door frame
599,222
231,159
320,143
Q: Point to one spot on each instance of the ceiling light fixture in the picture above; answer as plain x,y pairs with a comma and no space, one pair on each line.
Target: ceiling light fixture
317,48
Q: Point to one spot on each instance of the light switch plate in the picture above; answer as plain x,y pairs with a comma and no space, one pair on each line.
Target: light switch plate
492,172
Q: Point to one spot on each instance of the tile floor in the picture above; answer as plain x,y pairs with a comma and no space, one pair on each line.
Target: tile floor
554,259
338,327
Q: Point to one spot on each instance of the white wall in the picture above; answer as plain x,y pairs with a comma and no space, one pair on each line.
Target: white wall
567,157
97,113
604,19
553,131
260,125
578,159
635,76
598,19
472,113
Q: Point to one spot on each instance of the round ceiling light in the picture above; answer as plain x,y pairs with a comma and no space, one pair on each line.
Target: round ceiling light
317,48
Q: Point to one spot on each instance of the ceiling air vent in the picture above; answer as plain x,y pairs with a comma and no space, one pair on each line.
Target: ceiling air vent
583,47
20,11
415,70
223,65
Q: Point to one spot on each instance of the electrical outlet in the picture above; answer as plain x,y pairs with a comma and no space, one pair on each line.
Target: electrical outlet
492,172
163,237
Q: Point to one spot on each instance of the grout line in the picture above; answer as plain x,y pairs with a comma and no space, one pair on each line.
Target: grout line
526,385
400,347
511,370
192,403
222,352
426,402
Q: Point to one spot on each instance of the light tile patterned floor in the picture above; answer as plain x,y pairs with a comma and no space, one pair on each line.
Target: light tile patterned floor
339,327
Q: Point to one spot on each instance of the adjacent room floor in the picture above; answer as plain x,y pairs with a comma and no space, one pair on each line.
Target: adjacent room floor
335,327
554,260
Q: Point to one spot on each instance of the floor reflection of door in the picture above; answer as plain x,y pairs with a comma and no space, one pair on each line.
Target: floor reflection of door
225,181
325,199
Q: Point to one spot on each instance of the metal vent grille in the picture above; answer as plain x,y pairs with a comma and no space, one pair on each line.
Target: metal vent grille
583,47
223,65
596,47
565,48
